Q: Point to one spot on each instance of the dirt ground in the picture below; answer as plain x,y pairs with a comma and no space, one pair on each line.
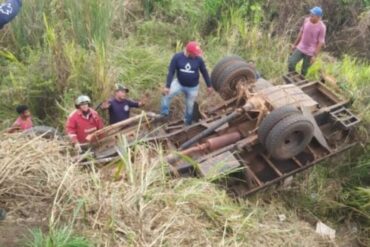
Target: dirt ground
14,230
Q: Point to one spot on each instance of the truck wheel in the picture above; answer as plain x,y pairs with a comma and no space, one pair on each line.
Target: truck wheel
236,72
220,66
272,119
289,137
46,131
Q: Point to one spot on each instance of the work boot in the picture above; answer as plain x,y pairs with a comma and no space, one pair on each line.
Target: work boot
2,214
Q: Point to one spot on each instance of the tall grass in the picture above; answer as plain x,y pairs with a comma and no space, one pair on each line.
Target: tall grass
28,29
90,19
134,202
352,76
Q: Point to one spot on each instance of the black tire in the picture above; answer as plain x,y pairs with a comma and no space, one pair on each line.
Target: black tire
46,132
272,119
231,75
289,137
219,68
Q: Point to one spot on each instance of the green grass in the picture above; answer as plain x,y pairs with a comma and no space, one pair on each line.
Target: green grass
56,238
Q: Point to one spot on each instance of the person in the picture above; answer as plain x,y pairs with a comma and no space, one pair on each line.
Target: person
82,122
119,106
24,120
186,65
8,10
310,40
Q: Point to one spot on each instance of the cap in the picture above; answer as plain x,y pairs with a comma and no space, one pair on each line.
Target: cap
317,11
121,87
193,48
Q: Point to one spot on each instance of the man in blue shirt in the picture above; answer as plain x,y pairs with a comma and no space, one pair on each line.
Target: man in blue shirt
119,106
9,10
186,65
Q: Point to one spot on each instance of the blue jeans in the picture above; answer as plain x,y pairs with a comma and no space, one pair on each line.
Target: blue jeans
190,96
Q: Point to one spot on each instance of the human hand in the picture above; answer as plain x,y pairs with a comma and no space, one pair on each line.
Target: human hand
165,91
105,105
313,59
209,90
293,47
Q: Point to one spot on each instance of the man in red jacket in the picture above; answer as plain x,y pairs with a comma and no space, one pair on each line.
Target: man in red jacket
82,122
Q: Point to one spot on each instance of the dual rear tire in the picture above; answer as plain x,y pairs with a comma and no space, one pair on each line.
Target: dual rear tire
285,132
229,73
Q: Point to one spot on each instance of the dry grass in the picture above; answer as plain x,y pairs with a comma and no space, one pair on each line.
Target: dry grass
143,207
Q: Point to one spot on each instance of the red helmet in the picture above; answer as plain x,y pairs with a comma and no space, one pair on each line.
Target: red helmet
193,48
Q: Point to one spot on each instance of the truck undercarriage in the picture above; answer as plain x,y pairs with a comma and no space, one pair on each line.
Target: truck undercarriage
260,135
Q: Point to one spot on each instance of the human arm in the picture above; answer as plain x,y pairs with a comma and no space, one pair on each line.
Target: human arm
9,10
170,75
320,44
296,42
71,129
204,71
105,105
14,128
135,104
299,37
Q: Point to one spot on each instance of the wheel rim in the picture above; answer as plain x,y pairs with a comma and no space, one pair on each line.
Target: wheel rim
293,139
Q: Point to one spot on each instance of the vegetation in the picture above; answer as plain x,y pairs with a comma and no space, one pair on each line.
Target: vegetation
134,204
56,50
59,238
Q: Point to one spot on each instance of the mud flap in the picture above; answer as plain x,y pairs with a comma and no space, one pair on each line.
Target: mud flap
317,131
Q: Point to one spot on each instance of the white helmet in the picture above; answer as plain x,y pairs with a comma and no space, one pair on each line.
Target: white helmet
81,99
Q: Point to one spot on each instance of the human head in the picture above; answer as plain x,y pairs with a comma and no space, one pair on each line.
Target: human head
316,14
193,49
120,91
23,111
83,103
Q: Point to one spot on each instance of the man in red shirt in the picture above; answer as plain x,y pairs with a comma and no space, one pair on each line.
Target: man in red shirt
82,122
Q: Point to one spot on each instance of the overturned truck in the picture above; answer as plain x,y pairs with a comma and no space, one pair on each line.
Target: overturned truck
260,135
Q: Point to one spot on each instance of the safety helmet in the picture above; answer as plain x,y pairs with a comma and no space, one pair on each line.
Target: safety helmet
81,99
